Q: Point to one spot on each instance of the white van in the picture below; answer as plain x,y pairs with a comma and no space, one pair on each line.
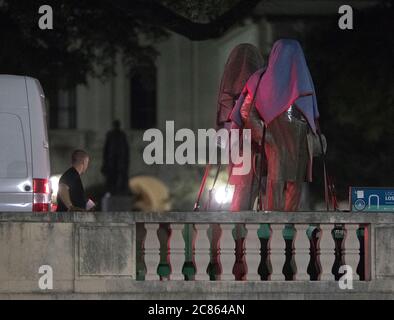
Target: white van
24,150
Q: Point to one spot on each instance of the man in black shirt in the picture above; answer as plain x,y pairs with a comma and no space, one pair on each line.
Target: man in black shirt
71,195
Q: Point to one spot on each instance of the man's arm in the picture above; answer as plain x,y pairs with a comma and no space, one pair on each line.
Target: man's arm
64,195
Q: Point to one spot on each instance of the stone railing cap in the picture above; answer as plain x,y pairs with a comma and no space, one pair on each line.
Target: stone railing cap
315,217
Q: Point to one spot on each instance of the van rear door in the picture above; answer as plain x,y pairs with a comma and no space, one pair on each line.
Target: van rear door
16,189
40,147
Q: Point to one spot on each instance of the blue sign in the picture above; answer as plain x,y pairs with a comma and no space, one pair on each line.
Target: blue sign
368,199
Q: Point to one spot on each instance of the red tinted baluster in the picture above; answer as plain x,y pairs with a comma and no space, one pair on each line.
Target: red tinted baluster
214,269
240,268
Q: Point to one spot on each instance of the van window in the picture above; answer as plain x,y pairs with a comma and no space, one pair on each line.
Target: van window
12,147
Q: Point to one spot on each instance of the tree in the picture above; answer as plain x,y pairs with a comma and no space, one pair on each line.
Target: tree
87,35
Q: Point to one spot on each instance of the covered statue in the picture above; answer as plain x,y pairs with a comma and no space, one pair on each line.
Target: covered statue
279,105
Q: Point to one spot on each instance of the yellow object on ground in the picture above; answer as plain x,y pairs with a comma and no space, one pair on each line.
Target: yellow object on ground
152,194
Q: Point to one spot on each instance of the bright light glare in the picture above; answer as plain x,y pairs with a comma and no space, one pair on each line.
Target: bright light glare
222,195
55,185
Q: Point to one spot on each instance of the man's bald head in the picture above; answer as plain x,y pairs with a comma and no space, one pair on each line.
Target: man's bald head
78,157
80,160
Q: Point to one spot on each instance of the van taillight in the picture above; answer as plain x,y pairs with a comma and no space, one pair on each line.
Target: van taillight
40,207
41,186
41,195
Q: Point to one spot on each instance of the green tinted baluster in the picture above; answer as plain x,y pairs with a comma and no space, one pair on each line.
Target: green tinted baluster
339,235
289,268
189,268
314,269
265,267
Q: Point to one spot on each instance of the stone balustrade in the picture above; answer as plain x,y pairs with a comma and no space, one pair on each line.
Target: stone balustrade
197,254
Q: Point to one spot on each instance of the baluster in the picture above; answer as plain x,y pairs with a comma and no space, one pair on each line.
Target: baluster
214,269
164,236
177,245
252,252
202,255
339,236
152,251
277,252
363,268
140,251
289,268
240,268
314,233
227,252
189,268
327,253
265,267
352,249
301,256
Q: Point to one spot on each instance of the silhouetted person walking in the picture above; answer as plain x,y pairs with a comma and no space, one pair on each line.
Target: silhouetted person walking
116,160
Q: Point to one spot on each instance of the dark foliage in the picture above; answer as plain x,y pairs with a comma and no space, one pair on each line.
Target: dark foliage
88,34
353,72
